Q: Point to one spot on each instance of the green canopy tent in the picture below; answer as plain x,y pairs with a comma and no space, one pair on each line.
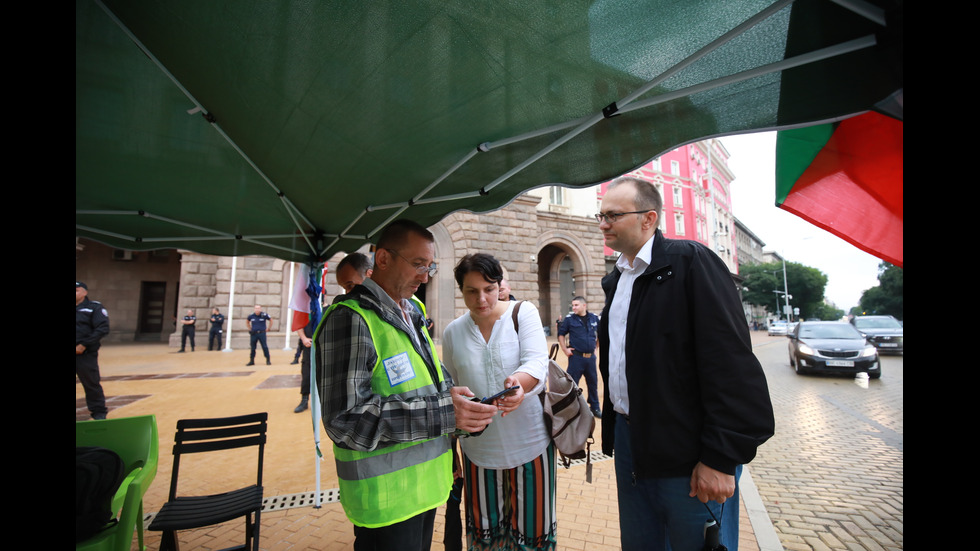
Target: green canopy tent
299,128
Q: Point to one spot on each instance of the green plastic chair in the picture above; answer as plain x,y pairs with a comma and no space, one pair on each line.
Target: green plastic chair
136,441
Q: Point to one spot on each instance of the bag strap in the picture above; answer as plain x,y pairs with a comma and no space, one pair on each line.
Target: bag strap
514,315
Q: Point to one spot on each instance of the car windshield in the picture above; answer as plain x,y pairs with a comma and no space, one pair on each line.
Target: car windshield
877,323
829,331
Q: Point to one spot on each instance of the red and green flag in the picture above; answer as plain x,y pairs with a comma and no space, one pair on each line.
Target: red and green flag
847,178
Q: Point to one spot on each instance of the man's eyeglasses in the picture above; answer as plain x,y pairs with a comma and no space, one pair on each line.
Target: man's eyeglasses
611,217
419,269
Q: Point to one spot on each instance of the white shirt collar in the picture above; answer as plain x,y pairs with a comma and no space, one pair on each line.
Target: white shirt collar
642,259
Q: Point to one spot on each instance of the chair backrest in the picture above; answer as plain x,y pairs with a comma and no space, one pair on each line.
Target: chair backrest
137,442
135,439
225,433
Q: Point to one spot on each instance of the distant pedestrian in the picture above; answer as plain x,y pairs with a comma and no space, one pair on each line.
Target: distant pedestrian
217,329
258,323
187,330
91,325
504,290
577,338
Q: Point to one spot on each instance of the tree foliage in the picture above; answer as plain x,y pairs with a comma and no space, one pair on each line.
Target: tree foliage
805,284
888,297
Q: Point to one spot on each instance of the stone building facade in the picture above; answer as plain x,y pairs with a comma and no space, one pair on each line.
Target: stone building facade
550,258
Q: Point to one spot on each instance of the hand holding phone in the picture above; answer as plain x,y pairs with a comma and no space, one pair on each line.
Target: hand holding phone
501,394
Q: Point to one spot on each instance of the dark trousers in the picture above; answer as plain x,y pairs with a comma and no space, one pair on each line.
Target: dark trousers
412,534
304,369
258,337
87,370
578,366
658,514
187,333
214,339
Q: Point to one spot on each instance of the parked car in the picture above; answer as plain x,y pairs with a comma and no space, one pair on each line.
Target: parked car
885,332
832,347
778,327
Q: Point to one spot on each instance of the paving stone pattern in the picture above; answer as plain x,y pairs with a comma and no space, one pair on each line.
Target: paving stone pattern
832,477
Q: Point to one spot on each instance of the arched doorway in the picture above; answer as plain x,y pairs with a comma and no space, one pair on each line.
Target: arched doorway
556,284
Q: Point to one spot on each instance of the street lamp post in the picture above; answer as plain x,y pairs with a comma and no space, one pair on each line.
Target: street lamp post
784,292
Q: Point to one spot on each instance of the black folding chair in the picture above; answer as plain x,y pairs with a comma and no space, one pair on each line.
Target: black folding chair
187,512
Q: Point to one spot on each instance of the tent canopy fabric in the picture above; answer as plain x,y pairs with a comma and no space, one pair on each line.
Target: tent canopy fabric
298,129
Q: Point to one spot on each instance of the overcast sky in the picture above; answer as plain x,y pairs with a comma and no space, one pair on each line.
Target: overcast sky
849,270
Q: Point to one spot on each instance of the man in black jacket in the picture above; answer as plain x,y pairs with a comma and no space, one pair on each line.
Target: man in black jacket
91,324
689,400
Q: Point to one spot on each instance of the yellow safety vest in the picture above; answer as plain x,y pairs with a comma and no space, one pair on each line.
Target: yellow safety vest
394,483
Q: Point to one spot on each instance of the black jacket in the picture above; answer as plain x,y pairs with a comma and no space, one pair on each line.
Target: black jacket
696,390
91,324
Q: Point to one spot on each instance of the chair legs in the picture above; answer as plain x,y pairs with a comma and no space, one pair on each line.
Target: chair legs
169,542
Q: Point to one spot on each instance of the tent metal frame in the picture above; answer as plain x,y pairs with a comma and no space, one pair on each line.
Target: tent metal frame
571,128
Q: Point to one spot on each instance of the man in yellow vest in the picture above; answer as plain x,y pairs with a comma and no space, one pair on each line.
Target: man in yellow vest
388,405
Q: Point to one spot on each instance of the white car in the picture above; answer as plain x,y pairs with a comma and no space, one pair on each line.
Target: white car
778,328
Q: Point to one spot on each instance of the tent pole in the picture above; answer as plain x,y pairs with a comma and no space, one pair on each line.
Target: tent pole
231,303
803,59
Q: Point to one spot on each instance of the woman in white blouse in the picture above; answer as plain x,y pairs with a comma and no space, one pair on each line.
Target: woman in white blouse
509,468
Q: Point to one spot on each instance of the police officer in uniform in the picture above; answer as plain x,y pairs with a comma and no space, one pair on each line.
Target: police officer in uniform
258,323
91,324
187,330
217,328
580,331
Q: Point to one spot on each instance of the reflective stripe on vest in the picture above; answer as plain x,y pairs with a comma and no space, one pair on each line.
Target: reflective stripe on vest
351,467
394,483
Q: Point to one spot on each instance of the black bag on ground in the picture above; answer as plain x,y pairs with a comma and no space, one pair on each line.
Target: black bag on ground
98,474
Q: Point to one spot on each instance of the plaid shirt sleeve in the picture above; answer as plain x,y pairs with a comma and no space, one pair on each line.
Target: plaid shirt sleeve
353,415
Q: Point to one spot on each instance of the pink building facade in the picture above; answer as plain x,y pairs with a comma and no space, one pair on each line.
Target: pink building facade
695,183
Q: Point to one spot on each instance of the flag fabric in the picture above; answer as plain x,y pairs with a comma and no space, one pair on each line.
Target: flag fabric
305,301
847,178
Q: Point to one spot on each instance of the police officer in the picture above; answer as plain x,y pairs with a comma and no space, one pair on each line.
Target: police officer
258,323
187,330
91,324
580,328
217,328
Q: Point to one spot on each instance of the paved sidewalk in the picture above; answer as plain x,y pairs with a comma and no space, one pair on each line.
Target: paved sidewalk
141,379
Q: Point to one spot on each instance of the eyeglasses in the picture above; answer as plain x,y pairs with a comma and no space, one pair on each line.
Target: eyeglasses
611,217
419,269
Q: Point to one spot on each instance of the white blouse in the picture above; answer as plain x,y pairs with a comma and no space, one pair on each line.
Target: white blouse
483,365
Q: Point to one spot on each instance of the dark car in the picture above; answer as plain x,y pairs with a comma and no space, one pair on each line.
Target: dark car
832,347
885,332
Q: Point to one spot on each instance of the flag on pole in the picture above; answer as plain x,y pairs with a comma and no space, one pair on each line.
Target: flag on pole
306,296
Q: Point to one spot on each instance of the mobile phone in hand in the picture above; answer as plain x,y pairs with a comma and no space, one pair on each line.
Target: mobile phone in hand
501,394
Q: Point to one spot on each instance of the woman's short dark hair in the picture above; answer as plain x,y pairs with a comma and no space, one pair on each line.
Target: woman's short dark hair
485,264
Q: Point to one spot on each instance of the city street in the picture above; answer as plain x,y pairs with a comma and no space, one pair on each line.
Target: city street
832,477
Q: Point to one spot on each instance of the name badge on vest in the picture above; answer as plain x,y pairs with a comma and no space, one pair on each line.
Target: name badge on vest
399,369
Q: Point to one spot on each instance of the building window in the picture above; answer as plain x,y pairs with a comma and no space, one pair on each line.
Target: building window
675,168
678,196
679,223
656,164
557,195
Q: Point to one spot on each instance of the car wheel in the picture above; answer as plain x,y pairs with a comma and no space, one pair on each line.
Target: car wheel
796,365
792,363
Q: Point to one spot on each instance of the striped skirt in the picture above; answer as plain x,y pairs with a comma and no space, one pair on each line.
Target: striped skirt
511,508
